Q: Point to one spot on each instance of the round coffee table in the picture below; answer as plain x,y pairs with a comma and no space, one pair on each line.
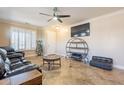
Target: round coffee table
50,60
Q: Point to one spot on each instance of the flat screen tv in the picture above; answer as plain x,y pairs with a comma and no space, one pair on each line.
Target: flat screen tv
80,30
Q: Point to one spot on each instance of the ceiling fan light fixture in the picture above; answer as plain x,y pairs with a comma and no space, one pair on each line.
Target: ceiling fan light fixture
55,18
55,15
57,27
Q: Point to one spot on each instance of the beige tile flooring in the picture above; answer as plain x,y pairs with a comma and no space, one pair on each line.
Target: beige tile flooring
78,74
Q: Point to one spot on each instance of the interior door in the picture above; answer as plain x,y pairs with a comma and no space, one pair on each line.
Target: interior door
51,42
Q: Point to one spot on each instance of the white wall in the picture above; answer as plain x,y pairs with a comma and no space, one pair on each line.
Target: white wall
106,38
49,40
63,35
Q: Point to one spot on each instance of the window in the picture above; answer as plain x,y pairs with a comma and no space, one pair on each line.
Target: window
23,39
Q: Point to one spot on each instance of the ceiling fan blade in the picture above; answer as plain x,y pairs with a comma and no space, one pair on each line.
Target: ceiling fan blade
62,16
45,14
59,20
50,19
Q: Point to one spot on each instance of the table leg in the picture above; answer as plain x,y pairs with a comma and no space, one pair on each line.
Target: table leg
48,65
60,62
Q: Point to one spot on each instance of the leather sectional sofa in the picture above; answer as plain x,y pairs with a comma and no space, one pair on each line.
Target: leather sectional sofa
13,63
11,53
102,62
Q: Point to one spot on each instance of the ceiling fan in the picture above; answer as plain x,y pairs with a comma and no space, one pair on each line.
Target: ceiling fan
55,16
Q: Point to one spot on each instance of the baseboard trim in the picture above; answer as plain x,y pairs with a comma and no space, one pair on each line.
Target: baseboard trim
118,67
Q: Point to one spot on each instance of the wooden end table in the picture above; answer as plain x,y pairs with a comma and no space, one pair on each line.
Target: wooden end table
33,77
50,60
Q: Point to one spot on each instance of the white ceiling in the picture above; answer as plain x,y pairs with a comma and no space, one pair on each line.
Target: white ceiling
31,14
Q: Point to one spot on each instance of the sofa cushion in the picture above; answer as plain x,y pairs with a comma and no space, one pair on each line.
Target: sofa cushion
102,59
15,60
15,55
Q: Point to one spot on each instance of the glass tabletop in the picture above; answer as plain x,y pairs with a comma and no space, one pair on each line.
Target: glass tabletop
51,57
